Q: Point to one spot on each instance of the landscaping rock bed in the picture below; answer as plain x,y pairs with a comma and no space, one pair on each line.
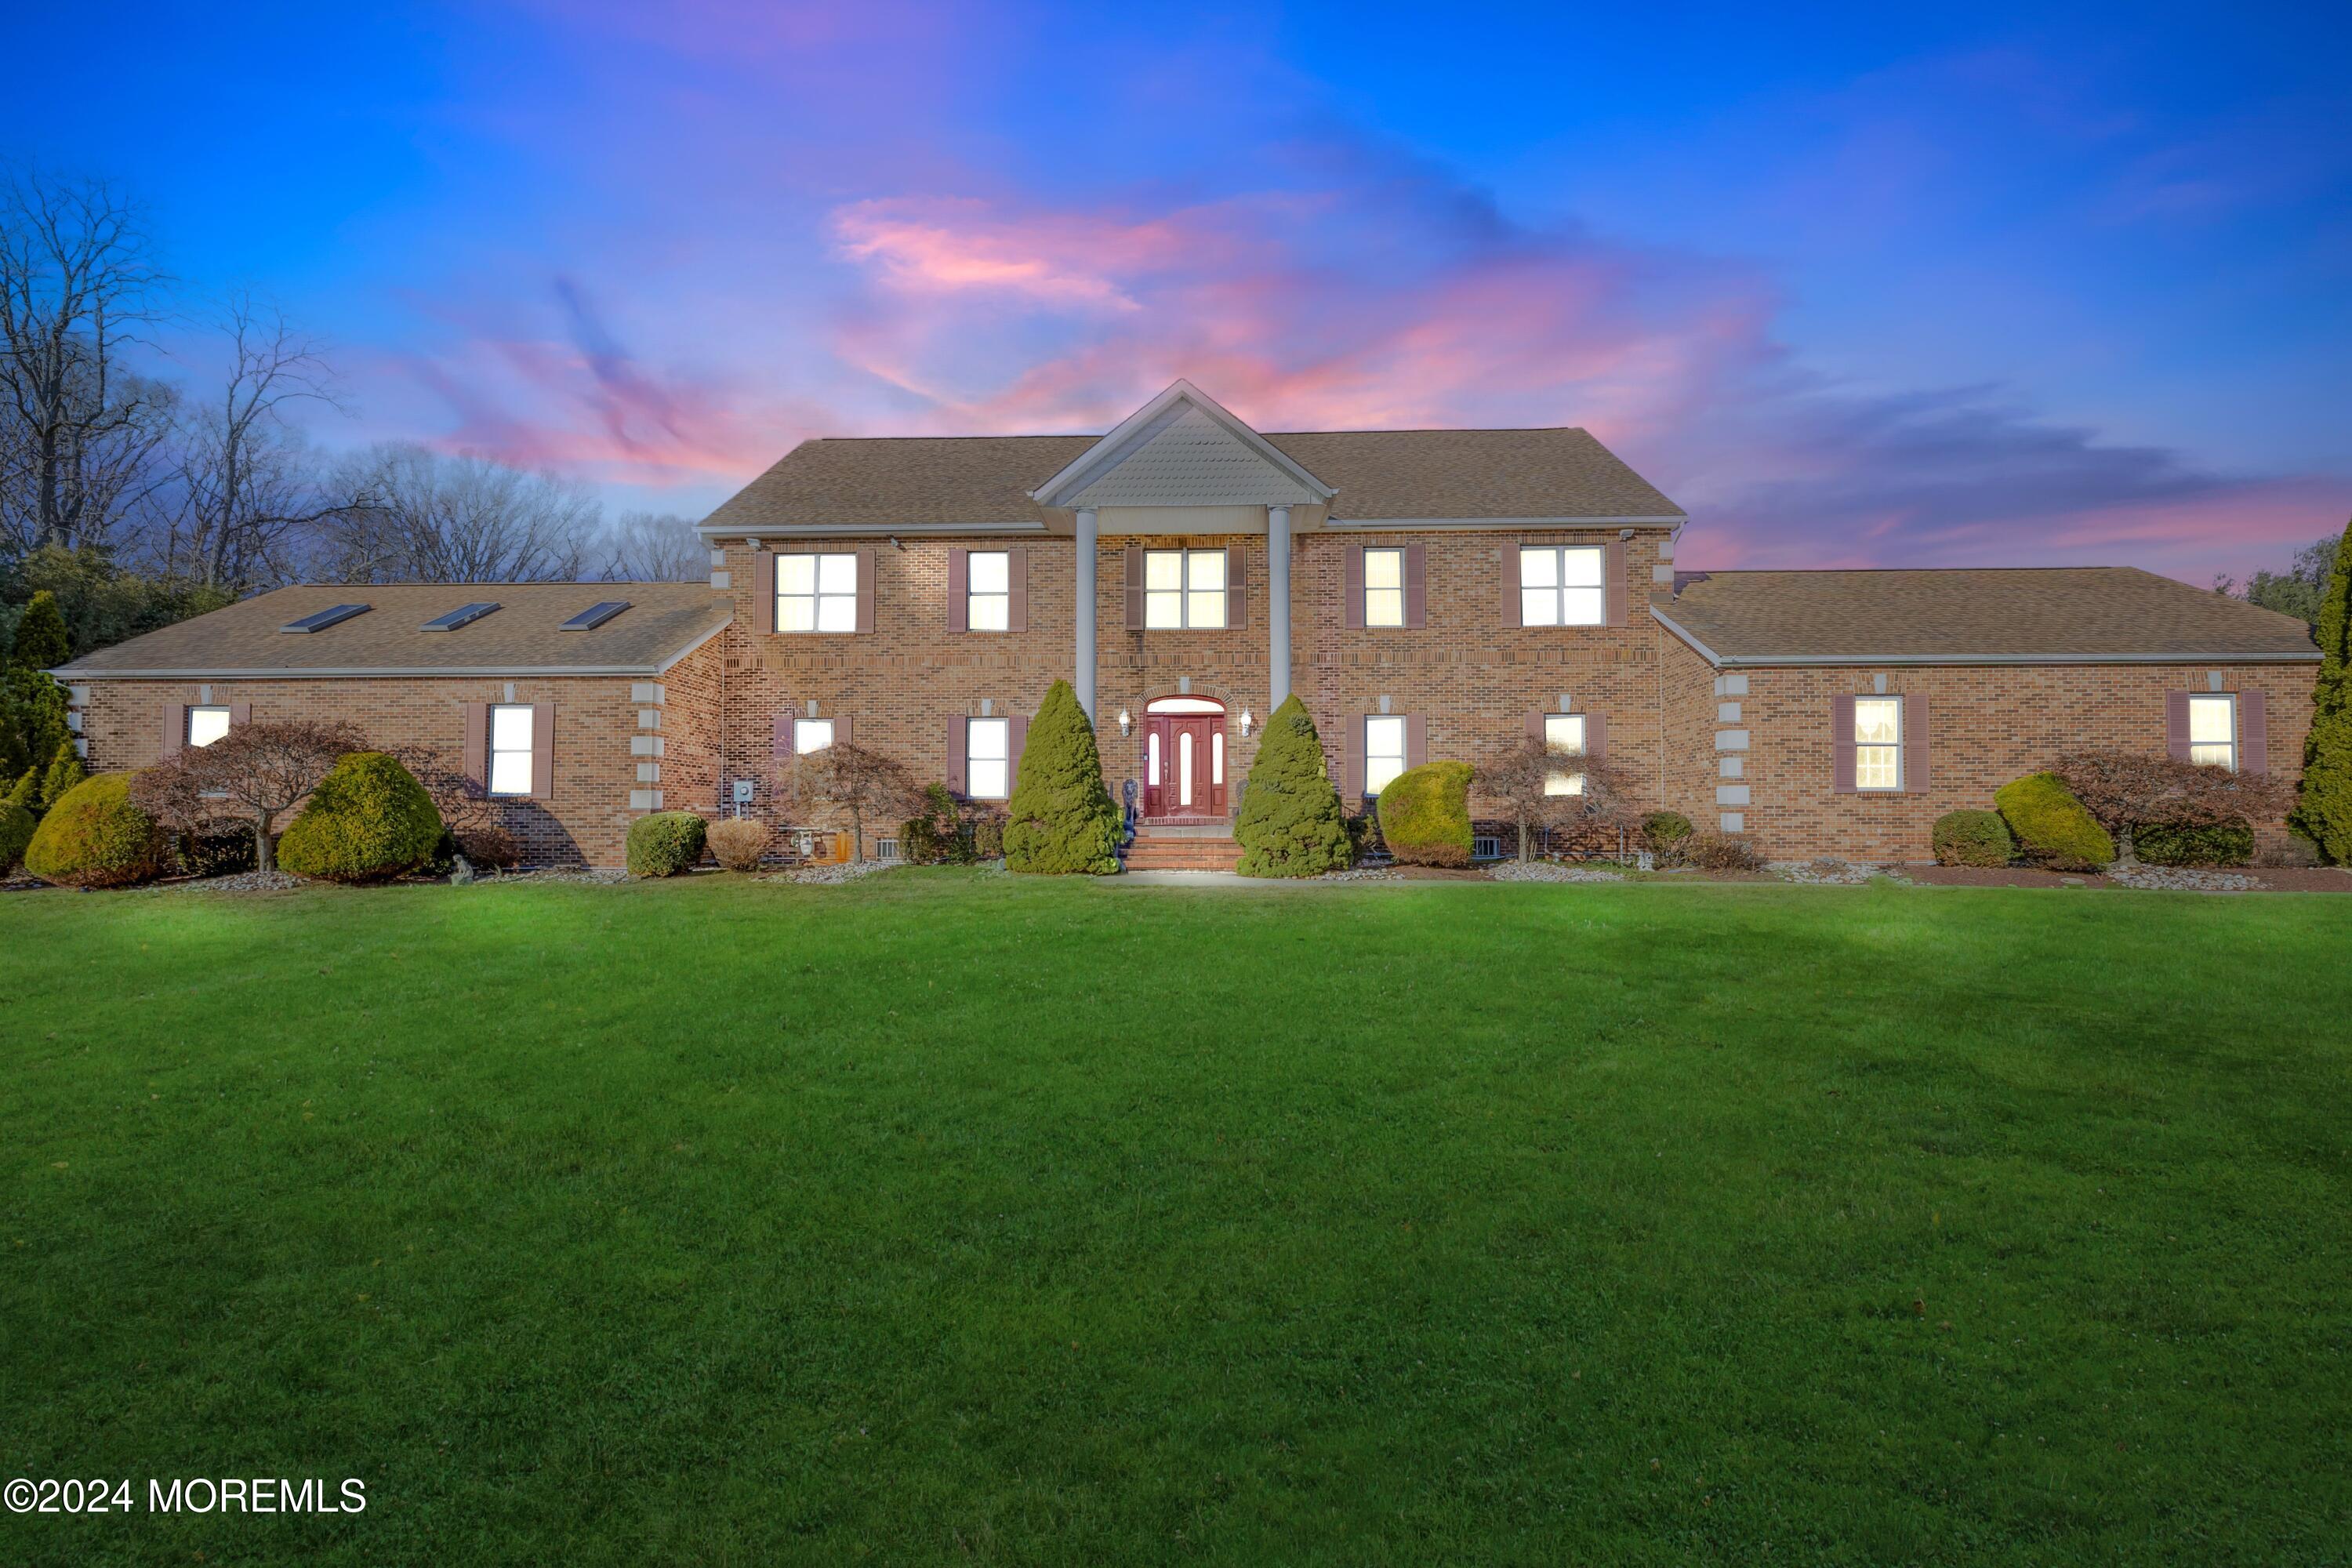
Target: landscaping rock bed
2181,879
243,883
1361,874
828,875
1551,871
605,875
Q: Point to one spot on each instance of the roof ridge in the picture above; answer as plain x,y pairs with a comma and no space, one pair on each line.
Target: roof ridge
1371,430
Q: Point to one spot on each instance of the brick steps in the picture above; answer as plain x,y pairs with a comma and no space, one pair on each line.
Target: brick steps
1189,850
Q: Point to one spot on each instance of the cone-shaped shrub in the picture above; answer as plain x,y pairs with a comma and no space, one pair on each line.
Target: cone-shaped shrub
1425,814
27,790
1061,819
95,837
368,821
41,641
1290,823
16,825
65,773
2323,815
2052,827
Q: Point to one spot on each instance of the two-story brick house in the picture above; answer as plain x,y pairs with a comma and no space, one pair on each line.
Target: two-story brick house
1426,593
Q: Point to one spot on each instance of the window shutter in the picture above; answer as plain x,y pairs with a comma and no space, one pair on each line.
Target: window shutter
1416,740
844,732
2254,733
478,743
1237,589
959,589
1618,594
1842,758
763,587
240,714
542,749
1536,726
1017,741
866,590
781,744
2176,725
1417,592
1355,587
1916,775
959,746
1134,589
1016,566
1596,737
1510,583
175,729
1353,770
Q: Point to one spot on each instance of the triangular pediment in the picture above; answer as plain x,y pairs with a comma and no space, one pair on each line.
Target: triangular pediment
1182,448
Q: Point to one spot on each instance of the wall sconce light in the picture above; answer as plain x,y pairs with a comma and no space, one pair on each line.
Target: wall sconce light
1246,723
1125,723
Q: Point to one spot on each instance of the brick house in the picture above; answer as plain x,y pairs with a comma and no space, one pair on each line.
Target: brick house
1426,593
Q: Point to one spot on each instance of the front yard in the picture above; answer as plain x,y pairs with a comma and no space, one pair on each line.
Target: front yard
952,1217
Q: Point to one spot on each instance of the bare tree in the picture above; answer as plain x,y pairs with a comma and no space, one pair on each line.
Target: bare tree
656,547
78,431
1580,802
2127,791
256,772
853,781
423,516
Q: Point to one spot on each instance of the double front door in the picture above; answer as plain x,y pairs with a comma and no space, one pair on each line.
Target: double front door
1184,765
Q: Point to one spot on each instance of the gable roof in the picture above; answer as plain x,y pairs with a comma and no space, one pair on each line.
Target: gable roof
2062,615
1187,440
990,483
524,636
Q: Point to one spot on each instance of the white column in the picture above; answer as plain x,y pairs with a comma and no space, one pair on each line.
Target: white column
1083,653
1277,606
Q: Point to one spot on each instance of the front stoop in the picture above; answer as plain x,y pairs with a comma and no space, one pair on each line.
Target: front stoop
1188,846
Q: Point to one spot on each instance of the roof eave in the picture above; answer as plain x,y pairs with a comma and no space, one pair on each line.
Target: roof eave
1792,660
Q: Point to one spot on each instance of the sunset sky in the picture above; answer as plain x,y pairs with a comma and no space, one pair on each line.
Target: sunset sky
1853,286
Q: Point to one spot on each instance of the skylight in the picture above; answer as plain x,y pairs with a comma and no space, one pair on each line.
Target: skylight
319,620
596,615
464,615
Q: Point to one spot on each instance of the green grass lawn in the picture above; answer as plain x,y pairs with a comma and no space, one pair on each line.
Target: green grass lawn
949,1218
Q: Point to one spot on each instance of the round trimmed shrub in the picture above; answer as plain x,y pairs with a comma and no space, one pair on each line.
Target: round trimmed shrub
2230,843
16,825
1972,838
94,837
2050,826
1290,823
368,821
738,842
666,844
1425,814
1665,829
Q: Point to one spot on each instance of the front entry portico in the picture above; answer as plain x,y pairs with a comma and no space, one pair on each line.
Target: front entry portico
1183,761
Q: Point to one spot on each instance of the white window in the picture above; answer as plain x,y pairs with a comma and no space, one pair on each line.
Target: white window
1217,757
510,746
1184,588
988,590
987,759
811,735
1878,742
1560,585
817,593
1383,752
207,725
2213,730
1184,768
1564,733
1383,587
1151,771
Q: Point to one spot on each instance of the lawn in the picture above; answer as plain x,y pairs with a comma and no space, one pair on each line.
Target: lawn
950,1218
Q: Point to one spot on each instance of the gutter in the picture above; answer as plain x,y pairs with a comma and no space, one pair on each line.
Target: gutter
1776,660
863,530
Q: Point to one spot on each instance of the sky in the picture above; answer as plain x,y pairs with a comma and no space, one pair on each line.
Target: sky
1878,286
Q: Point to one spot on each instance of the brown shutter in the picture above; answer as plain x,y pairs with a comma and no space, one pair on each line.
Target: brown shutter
2254,733
866,590
1416,740
1134,589
780,743
240,714
1416,591
958,745
1017,741
1916,775
844,733
478,743
1016,569
1355,587
1536,726
1351,772
174,736
1510,583
1842,758
1237,589
763,588
1616,593
959,589
1596,737
542,750
2176,725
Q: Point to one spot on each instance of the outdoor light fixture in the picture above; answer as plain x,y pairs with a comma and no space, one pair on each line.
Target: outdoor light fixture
1125,723
1246,723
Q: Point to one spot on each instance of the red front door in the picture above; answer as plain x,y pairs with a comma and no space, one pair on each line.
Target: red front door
1183,764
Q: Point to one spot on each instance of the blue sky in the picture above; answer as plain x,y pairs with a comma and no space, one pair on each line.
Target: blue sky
1864,286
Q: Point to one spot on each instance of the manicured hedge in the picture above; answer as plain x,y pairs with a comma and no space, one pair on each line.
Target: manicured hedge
738,842
368,821
1290,823
1972,838
1425,814
666,844
2051,826
2228,843
94,837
